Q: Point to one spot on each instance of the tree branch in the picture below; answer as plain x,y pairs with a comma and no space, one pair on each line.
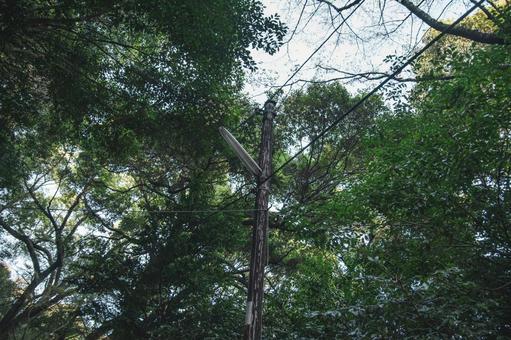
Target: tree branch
28,243
464,32
340,9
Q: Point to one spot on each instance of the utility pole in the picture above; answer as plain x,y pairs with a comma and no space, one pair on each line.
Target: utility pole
259,253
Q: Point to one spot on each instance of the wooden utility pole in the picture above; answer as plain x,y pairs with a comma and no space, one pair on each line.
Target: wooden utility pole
258,255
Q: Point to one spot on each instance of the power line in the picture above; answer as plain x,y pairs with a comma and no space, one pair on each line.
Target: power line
376,89
367,96
317,137
255,114
138,210
315,51
228,204
311,55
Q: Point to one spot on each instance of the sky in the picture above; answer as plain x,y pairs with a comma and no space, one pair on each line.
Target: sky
361,45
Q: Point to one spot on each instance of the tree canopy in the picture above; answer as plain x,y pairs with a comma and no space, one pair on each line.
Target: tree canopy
124,215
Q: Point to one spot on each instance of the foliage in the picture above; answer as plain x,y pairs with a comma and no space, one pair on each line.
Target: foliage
100,107
418,242
414,241
121,213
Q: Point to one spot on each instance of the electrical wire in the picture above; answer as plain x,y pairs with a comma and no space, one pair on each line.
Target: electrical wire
365,97
374,90
391,76
272,97
336,29
139,210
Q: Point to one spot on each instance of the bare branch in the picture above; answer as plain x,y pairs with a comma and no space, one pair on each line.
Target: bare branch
351,76
293,32
10,318
340,9
464,32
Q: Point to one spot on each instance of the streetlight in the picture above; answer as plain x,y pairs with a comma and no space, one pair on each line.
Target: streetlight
242,154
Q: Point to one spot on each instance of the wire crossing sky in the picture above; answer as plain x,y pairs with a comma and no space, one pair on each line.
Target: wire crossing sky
364,38
377,88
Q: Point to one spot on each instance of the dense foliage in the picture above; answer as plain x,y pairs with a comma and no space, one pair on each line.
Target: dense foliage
123,215
415,241
109,114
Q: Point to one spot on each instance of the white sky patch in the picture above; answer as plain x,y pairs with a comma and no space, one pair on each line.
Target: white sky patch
343,51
